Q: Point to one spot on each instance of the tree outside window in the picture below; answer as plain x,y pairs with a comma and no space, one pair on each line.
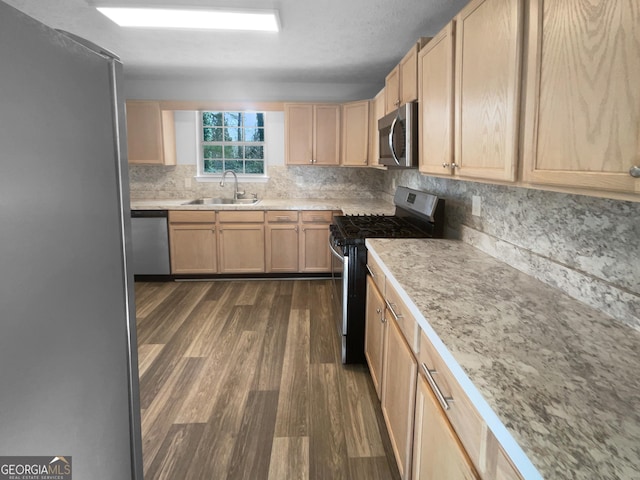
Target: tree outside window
232,141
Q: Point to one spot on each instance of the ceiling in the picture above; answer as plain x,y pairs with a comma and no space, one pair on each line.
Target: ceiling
321,41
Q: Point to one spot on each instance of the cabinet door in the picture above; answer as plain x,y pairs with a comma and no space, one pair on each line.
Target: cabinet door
487,90
376,112
242,248
282,247
326,144
435,103
355,133
150,134
314,251
399,395
374,334
193,248
409,76
315,255
299,134
392,90
582,123
438,453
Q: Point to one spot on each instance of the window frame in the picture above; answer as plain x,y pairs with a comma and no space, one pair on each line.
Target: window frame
201,175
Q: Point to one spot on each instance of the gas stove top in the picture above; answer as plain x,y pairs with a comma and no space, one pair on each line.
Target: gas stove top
352,228
418,215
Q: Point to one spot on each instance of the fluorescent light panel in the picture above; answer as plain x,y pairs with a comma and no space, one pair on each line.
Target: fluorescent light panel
260,20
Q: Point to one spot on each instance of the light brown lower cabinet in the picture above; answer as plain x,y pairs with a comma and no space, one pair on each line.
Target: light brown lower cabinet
282,241
193,242
249,241
241,244
429,442
399,394
437,452
375,330
315,256
241,248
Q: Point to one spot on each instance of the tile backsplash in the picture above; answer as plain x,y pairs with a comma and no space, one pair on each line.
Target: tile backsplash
585,246
284,182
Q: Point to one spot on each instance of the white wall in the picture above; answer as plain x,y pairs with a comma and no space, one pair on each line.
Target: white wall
152,88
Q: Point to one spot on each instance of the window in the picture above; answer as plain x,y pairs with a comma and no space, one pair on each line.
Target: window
231,141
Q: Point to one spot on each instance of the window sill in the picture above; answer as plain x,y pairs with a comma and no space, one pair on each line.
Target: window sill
241,178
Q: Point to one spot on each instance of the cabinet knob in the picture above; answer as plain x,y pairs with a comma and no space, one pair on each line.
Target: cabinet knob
455,165
311,161
634,171
445,165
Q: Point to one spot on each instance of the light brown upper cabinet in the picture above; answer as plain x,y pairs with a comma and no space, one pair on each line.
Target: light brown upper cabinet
376,112
435,106
151,136
401,85
582,117
487,89
355,133
312,134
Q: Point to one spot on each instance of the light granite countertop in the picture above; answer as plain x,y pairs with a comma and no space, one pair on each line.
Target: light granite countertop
556,381
350,206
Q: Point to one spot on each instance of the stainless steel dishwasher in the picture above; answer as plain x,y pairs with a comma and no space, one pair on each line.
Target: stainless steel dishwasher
150,238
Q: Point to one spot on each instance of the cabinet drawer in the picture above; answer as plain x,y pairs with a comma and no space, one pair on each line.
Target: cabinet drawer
313,216
190,216
376,273
282,216
461,413
248,216
401,314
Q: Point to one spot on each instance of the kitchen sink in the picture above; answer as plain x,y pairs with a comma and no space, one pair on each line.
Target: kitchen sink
222,201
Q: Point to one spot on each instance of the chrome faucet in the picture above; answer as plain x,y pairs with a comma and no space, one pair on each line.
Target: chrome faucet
236,192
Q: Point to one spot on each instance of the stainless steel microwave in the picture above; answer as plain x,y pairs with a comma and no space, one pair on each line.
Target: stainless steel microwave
398,137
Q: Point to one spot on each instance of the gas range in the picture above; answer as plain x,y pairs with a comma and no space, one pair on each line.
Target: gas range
417,215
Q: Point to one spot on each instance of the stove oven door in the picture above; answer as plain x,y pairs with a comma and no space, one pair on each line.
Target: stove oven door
339,291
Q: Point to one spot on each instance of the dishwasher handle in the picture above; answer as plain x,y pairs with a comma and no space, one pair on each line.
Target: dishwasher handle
149,214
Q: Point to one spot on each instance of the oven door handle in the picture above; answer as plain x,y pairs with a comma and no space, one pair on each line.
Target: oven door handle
334,251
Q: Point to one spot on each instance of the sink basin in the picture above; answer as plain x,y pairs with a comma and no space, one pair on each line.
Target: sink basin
222,201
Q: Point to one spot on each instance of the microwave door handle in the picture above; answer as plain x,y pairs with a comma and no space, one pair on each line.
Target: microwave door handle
393,152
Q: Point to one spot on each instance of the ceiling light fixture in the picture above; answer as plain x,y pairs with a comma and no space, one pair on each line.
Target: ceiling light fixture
260,20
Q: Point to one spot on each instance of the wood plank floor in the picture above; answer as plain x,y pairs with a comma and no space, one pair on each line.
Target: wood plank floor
243,380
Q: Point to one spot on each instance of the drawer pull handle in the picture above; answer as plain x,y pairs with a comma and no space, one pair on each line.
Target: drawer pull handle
373,275
444,401
397,316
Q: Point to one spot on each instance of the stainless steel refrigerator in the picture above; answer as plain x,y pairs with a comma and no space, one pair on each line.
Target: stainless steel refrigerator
68,363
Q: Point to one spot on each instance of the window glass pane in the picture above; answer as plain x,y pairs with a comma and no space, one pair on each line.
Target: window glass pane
254,119
212,119
212,134
232,134
213,166
235,165
254,134
232,119
254,166
212,151
232,152
254,152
